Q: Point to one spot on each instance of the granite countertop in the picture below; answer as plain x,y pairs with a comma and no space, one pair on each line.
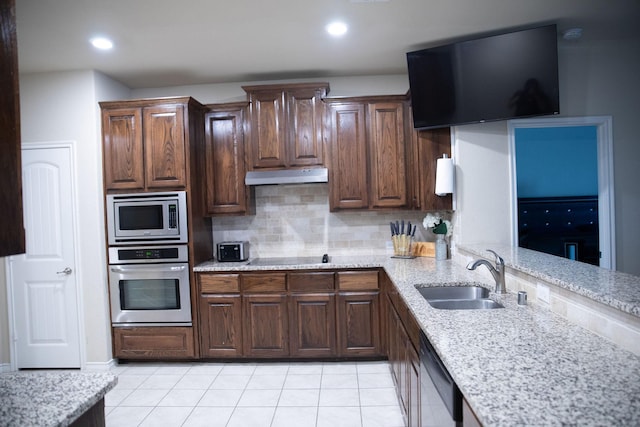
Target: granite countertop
48,398
521,365
613,288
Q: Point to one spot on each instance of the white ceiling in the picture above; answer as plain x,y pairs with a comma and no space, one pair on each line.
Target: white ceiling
162,43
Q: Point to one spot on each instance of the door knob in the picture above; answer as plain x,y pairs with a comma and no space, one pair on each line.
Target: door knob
65,271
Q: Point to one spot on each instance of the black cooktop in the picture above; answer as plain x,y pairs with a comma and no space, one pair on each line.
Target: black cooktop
287,261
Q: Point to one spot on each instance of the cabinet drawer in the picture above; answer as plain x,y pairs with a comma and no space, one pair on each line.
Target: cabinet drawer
153,343
357,280
263,282
303,282
219,283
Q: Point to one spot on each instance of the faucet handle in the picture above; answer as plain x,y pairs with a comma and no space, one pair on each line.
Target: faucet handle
499,260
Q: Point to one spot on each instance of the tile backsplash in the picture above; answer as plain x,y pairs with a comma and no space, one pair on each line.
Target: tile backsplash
294,220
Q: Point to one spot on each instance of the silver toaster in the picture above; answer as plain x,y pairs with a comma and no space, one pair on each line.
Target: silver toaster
232,251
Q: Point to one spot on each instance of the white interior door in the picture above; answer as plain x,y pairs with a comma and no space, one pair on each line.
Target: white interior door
43,280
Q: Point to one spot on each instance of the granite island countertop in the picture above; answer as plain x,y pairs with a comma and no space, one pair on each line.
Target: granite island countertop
50,398
521,365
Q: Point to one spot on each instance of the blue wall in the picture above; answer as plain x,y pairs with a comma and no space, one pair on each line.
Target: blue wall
557,161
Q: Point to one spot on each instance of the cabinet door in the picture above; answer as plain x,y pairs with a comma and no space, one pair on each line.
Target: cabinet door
359,324
403,366
12,233
265,332
398,358
268,129
220,326
348,183
164,147
313,325
123,153
224,162
413,385
387,150
304,143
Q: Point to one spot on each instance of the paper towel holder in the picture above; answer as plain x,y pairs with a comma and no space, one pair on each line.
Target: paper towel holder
444,176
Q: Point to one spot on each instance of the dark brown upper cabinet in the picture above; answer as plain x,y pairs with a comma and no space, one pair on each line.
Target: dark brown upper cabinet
224,158
147,143
12,237
367,139
285,125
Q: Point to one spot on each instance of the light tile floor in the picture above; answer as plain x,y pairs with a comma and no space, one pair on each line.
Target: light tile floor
330,394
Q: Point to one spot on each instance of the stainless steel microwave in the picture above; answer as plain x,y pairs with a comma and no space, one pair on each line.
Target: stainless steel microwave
147,217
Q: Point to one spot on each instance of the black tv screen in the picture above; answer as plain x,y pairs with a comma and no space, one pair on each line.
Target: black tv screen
500,77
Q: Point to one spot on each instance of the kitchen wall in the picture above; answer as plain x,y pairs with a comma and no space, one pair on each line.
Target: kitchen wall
63,107
596,79
483,197
602,79
294,220
338,86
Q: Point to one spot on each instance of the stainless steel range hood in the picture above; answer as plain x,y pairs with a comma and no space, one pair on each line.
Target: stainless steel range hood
287,176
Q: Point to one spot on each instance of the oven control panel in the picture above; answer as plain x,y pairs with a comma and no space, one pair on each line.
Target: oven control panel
147,254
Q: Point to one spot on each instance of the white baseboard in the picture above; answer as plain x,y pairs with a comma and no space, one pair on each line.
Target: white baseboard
100,366
5,367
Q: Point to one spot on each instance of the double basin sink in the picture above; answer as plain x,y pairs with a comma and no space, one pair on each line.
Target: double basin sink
458,297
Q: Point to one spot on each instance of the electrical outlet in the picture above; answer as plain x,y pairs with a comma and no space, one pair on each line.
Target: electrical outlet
542,293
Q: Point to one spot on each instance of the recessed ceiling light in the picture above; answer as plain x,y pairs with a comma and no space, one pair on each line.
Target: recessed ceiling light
101,43
337,29
572,34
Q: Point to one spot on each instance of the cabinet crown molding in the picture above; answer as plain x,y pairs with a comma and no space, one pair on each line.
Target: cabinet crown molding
323,86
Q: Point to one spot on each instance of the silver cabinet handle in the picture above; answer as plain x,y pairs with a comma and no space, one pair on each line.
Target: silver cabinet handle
65,271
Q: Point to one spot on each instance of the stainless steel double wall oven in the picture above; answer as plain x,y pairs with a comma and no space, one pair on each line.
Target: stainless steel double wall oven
148,259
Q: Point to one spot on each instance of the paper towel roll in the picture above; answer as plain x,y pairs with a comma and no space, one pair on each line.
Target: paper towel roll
444,176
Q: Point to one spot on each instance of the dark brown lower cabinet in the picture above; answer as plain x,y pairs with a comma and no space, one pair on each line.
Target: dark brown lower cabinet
265,325
220,312
405,364
154,342
221,325
398,357
313,325
359,324
297,314
94,416
413,384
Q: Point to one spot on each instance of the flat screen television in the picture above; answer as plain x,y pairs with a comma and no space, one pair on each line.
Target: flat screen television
500,77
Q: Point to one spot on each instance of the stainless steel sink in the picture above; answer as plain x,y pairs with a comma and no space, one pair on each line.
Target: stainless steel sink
454,292
465,304
458,297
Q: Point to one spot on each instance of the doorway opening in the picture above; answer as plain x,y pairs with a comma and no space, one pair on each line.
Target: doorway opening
562,187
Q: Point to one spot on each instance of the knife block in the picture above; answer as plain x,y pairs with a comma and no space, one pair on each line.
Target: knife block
425,249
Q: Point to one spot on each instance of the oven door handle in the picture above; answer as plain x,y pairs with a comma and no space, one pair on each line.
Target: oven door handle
146,268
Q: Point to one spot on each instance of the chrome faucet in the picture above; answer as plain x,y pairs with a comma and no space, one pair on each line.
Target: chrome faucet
497,272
